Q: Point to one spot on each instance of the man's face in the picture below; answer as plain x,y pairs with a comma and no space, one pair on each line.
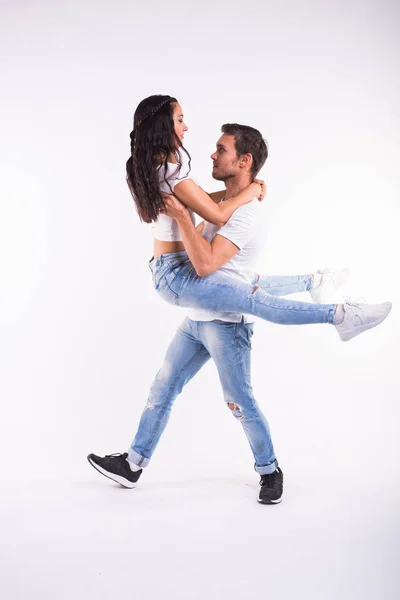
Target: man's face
225,159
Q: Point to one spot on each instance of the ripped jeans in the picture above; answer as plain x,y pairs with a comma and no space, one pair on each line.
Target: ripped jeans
195,342
177,282
229,345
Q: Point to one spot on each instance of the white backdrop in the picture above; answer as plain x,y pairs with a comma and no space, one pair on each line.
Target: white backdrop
83,332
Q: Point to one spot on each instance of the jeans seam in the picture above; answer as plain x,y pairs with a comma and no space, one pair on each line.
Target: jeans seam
316,307
239,354
164,406
157,286
175,275
176,296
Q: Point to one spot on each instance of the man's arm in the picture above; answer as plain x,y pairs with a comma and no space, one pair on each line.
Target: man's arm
205,257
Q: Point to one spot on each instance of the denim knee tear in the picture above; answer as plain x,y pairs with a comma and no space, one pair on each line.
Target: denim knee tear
149,406
235,410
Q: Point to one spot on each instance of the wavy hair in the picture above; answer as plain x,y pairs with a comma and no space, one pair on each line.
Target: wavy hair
153,140
248,141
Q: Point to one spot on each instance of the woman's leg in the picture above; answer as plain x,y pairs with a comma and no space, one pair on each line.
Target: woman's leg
178,283
321,284
283,285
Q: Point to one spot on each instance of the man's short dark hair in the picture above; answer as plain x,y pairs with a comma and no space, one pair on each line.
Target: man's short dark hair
248,141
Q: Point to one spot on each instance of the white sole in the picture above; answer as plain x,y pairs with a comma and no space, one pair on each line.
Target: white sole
121,480
270,502
349,334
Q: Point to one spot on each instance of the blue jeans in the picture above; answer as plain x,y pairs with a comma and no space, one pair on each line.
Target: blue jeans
177,282
229,345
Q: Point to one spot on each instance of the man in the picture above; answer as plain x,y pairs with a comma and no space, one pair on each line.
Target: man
225,337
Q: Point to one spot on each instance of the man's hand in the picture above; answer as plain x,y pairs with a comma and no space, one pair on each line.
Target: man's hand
174,208
261,183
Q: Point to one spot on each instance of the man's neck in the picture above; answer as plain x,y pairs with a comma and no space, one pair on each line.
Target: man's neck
235,185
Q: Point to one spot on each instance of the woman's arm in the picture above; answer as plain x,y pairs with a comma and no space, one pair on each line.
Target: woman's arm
200,227
217,196
194,197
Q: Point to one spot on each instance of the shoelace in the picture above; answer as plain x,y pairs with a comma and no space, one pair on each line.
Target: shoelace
269,480
352,306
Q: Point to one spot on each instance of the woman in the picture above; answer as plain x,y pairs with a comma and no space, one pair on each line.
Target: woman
159,164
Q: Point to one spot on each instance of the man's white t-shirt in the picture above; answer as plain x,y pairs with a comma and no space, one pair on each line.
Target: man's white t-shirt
246,229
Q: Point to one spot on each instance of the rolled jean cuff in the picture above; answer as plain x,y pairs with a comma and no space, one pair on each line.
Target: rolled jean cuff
309,282
267,469
137,459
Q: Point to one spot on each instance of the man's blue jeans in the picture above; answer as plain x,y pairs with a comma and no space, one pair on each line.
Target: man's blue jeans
229,345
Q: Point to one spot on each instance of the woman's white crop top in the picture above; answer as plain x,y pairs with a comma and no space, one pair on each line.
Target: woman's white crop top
165,228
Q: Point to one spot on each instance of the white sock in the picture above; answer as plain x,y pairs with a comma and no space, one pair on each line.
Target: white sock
339,315
317,279
133,466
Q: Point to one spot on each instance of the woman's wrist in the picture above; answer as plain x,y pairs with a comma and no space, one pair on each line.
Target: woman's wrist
183,216
256,187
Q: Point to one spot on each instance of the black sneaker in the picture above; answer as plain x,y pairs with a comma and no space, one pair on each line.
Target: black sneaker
271,487
116,467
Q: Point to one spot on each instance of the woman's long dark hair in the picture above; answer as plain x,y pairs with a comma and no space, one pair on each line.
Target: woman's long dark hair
153,139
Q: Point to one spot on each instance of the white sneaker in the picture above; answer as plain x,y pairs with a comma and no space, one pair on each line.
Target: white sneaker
360,317
332,279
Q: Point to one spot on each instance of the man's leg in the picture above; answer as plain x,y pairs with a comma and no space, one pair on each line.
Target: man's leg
229,345
184,358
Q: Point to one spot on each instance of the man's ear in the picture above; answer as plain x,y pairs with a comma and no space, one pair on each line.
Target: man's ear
245,161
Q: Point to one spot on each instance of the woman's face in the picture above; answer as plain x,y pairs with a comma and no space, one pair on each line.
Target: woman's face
179,125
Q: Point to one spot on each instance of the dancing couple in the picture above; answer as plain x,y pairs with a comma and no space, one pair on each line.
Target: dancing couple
209,269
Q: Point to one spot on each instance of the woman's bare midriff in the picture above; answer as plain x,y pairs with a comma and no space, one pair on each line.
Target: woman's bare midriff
161,247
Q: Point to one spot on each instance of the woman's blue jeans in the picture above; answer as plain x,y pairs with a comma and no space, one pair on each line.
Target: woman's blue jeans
177,282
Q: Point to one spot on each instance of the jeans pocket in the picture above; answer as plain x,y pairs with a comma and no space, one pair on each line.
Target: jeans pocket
157,275
163,281
244,334
226,324
250,330
176,263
